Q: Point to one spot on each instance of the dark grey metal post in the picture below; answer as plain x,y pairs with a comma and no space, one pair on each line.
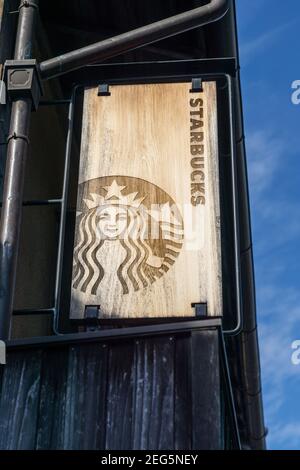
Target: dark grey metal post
14,173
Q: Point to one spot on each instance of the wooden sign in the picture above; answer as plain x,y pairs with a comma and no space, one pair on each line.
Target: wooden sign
147,241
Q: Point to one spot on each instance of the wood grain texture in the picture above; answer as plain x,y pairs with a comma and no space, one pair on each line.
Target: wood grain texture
144,393
120,392
154,394
19,401
183,419
206,394
52,406
147,241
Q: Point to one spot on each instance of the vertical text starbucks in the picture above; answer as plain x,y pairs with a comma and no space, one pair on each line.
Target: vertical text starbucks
197,151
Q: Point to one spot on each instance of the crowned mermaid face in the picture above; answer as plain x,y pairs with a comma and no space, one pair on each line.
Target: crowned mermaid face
112,222
114,211
148,240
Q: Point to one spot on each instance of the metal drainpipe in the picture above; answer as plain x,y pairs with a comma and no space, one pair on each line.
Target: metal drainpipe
131,40
14,174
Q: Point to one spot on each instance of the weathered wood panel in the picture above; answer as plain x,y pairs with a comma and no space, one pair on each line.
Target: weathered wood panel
160,393
19,401
183,392
154,394
52,401
206,394
147,240
86,398
119,417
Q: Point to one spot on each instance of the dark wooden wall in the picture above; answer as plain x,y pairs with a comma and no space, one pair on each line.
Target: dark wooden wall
159,393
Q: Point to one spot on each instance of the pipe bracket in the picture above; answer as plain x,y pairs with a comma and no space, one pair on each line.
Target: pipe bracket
28,4
16,136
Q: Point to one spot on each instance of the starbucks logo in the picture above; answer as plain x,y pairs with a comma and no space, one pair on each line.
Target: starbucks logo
127,228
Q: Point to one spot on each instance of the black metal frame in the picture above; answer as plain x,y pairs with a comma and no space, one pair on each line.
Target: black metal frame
21,108
138,73
113,334
149,71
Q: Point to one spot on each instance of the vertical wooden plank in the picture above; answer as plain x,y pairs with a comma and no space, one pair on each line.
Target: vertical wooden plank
119,400
183,394
206,402
84,422
19,401
154,394
52,405
143,390
72,406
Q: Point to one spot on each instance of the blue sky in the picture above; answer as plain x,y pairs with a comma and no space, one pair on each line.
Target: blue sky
270,62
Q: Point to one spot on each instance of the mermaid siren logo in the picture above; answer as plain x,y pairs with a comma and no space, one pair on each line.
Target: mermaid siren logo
128,230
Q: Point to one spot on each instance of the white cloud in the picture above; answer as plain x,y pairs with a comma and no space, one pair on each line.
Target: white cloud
248,11
276,228
288,435
249,50
274,299
274,212
279,324
264,151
